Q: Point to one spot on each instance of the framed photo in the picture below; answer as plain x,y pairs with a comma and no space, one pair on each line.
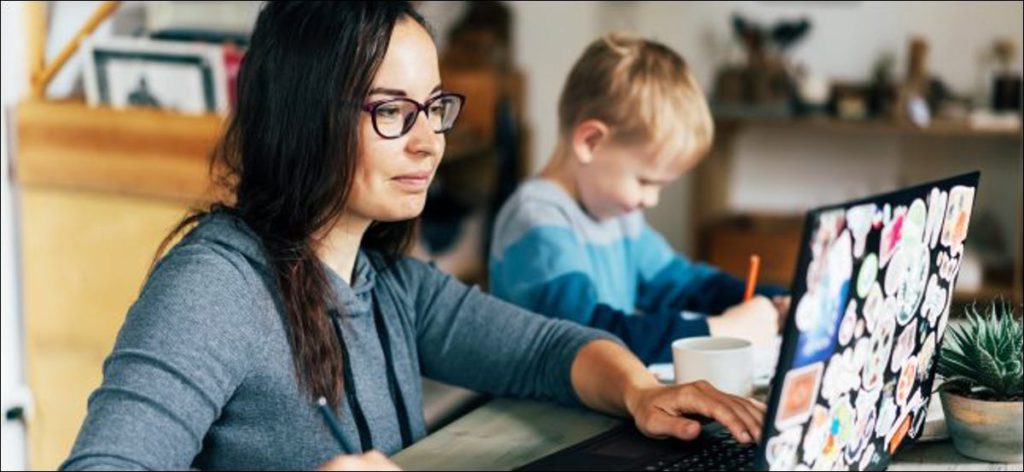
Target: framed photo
169,75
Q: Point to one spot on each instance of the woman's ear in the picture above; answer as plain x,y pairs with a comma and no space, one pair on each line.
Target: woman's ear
586,137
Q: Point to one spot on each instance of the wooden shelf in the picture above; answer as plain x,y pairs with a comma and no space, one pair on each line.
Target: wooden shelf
139,152
937,128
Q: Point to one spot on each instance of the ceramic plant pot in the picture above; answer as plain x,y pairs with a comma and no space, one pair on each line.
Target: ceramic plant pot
987,430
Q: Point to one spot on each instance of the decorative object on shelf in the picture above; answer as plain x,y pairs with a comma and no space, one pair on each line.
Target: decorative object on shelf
921,95
983,389
883,91
764,85
1006,84
134,72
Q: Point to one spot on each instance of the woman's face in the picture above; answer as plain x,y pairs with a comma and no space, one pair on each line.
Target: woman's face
392,175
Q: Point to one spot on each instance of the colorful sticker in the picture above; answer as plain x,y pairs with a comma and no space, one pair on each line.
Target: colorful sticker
904,347
861,435
914,223
799,391
858,330
948,266
934,301
867,275
780,452
958,213
849,323
859,220
936,210
899,432
872,306
881,347
840,432
906,382
840,376
911,290
897,271
892,233
816,435
826,295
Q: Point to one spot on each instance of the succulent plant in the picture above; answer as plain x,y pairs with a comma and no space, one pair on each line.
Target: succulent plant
981,358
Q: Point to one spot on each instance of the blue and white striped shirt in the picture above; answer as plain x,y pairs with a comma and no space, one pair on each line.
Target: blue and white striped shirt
549,256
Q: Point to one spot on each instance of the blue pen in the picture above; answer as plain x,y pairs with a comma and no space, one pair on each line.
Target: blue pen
335,426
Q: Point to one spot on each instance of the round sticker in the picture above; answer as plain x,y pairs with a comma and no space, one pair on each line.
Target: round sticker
867,275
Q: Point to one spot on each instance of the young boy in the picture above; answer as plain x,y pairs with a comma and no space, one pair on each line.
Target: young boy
573,243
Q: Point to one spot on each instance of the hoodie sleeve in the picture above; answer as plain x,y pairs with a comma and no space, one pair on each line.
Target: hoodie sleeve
474,340
177,360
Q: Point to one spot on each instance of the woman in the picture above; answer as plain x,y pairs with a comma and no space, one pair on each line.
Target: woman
299,290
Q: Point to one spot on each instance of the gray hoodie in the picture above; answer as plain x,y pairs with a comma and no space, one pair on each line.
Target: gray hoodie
201,374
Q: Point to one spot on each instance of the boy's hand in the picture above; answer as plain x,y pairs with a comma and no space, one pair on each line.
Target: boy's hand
756,320
659,411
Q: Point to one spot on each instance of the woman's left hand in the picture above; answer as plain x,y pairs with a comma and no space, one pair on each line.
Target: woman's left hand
660,411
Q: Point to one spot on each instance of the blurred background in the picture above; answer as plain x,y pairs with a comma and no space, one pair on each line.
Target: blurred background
110,111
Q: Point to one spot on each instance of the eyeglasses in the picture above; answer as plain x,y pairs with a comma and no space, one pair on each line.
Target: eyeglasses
394,117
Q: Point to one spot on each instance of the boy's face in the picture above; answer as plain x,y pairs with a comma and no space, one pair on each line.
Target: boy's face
621,178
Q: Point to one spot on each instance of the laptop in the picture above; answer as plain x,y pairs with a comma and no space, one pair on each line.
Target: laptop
871,297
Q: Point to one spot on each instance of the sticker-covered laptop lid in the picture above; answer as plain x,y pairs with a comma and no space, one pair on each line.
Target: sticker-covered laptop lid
871,298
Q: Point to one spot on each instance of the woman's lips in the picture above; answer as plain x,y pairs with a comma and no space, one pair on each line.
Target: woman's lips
415,181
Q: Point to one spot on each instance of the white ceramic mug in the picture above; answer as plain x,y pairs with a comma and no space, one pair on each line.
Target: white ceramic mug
726,363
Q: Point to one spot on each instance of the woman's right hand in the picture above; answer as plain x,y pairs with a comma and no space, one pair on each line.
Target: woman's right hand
372,460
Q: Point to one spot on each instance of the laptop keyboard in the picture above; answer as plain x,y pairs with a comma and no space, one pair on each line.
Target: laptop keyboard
721,452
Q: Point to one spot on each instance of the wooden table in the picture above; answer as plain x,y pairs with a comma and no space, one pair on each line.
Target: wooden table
505,434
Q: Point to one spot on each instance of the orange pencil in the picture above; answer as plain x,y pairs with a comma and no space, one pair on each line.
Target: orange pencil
755,265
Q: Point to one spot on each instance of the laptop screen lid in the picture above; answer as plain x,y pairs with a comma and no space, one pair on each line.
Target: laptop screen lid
870,302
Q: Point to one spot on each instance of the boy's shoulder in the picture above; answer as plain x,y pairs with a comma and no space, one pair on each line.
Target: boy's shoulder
538,202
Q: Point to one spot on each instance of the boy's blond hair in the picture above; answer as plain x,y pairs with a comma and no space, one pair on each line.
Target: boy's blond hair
640,88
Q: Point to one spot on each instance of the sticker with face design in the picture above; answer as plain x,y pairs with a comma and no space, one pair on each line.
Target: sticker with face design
958,213
907,380
859,220
936,211
892,233
799,391
867,275
881,346
780,452
816,435
904,347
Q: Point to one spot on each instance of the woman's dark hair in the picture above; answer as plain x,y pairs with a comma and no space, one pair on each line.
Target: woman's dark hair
289,153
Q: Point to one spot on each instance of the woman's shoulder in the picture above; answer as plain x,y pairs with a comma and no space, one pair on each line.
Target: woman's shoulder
218,263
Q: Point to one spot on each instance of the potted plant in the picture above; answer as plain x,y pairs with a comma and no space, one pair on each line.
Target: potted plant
983,389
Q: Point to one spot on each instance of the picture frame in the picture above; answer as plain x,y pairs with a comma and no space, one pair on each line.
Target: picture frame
176,76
